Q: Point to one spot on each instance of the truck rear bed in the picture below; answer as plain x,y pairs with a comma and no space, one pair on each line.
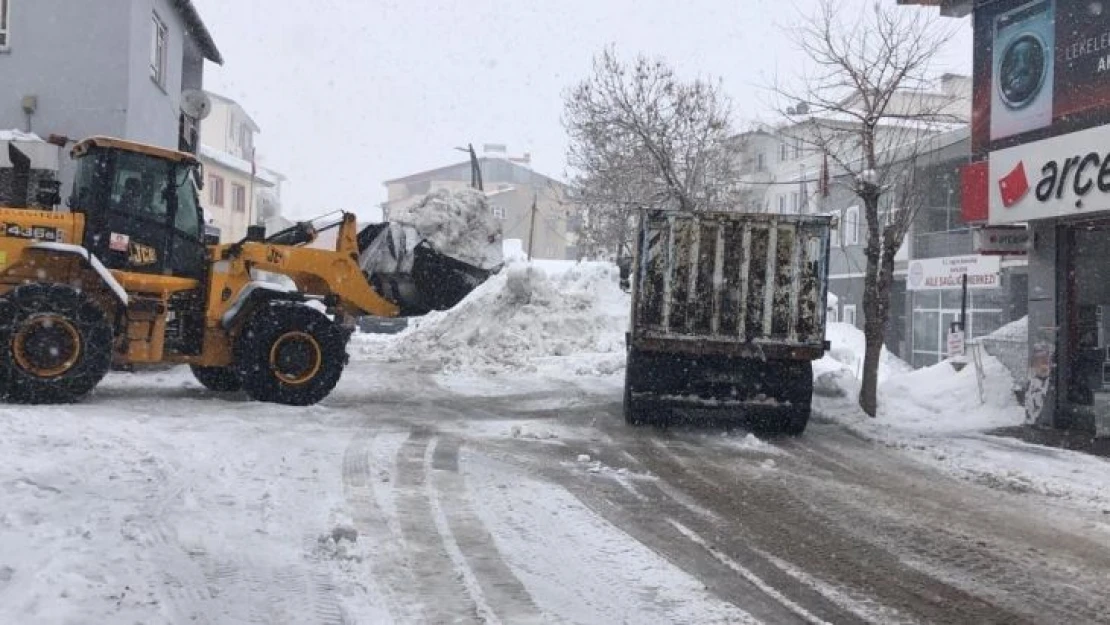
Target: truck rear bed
731,284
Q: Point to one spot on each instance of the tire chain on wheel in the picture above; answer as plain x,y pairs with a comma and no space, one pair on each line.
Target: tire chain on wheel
219,379
86,317
266,325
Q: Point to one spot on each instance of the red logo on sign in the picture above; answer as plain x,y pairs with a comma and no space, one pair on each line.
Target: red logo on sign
1013,186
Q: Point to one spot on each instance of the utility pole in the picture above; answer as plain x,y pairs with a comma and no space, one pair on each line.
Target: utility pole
532,227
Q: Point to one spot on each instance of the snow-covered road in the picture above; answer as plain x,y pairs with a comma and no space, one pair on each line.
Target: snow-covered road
418,497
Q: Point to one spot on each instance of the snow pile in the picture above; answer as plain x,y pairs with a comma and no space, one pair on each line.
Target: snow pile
1010,345
522,315
941,399
19,135
458,224
1013,331
838,370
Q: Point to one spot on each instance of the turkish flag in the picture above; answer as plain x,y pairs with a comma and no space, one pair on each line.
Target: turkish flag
1013,186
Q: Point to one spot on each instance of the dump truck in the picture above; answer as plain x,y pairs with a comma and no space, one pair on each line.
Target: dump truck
727,314
127,277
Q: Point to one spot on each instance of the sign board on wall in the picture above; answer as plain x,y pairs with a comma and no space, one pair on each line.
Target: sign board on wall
1001,240
956,347
930,274
1060,176
1041,68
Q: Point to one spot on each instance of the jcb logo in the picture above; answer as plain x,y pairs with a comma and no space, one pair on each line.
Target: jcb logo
274,256
142,255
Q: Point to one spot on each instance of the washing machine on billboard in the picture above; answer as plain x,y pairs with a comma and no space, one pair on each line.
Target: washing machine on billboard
1024,56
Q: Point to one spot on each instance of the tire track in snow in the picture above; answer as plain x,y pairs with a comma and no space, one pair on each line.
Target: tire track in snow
636,506
390,569
489,576
434,566
772,518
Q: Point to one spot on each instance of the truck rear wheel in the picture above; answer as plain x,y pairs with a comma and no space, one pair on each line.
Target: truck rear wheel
290,354
57,343
219,379
799,392
637,410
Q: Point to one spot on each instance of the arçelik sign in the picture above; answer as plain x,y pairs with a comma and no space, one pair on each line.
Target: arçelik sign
1060,176
1001,240
947,273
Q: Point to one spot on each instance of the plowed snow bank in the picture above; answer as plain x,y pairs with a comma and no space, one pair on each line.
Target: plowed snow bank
522,315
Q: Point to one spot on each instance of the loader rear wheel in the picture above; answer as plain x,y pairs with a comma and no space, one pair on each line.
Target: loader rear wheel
219,379
57,343
290,354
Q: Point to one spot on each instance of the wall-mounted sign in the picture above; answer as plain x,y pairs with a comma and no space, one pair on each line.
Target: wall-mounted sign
929,274
1061,176
1001,240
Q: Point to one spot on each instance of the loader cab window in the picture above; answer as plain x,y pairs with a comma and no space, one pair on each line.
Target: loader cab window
142,212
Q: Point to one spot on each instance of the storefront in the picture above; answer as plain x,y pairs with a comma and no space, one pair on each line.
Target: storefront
1067,206
1069,325
994,297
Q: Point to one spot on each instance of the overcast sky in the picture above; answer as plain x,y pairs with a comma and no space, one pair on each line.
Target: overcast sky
350,93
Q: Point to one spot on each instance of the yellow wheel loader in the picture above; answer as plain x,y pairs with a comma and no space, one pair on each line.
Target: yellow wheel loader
126,277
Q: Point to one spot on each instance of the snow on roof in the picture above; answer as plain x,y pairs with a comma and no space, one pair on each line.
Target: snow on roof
240,165
19,135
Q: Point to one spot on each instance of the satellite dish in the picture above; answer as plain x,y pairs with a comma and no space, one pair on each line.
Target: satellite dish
195,103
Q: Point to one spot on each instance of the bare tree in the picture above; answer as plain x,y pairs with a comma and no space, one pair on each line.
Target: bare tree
867,101
642,138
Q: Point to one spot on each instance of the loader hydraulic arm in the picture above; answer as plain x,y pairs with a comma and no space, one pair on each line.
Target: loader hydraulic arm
316,271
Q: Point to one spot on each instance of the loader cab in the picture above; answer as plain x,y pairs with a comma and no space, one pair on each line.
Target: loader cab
141,208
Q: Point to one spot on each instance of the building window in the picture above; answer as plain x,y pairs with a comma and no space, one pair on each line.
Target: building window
849,316
834,229
851,226
5,36
831,317
215,190
784,152
797,148
159,36
238,198
760,162
498,211
782,204
795,198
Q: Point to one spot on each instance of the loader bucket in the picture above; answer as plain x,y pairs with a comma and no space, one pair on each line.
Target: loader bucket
410,273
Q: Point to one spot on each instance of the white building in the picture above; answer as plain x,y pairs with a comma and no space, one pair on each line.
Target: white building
237,192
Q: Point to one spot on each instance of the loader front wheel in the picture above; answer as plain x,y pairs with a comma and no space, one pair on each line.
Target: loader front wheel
290,354
57,343
219,379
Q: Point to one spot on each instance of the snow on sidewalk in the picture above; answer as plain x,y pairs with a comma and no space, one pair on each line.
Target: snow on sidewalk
939,415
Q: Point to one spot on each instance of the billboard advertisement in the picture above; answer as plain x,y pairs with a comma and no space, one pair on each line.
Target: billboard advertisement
1041,69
